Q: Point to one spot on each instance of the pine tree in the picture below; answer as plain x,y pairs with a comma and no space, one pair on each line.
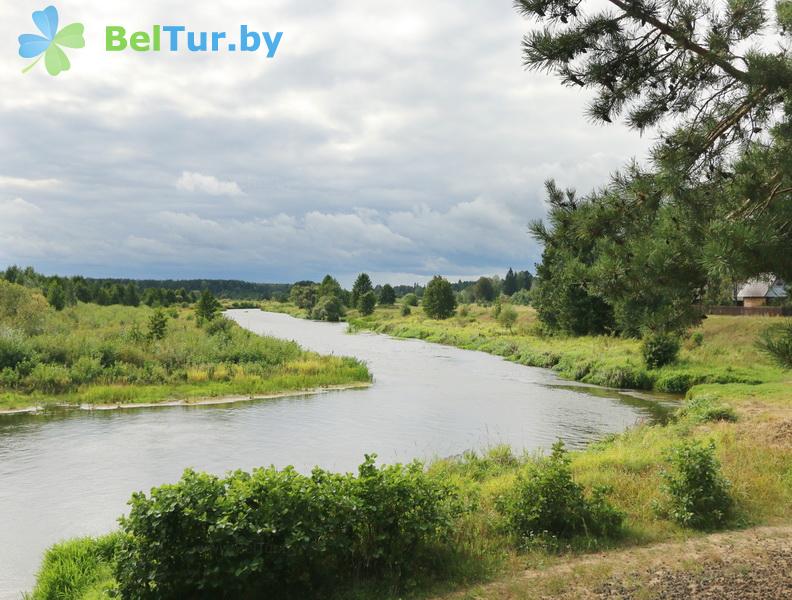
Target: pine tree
387,295
362,286
510,283
207,308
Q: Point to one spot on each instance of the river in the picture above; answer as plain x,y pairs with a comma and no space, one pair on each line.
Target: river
69,473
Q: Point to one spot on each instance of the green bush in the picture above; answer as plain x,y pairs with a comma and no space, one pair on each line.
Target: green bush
14,350
367,303
220,326
439,301
49,378
660,349
705,409
410,300
698,496
521,298
776,342
547,502
328,308
406,311
281,534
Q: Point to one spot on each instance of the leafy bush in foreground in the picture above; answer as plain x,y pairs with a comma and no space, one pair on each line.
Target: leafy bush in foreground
660,349
776,342
546,501
698,494
274,533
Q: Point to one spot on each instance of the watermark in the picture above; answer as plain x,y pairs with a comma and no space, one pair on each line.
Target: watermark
50,44
160,38
177,38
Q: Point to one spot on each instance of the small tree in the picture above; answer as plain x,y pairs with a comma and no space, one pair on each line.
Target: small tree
510,283
157,325
330,287
660,349
207,308
439,301
56,295
507,317
387,295
484,290
362,286
410,300
367,303
328,308
304,294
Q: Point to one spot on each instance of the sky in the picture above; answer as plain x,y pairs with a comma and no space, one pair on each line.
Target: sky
404,139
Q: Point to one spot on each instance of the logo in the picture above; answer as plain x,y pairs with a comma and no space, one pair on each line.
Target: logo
51,43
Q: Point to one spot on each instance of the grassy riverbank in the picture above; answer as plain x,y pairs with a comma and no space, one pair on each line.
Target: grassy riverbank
95,355
722,350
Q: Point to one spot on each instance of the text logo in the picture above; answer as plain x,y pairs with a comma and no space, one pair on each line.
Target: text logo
51,43
176,38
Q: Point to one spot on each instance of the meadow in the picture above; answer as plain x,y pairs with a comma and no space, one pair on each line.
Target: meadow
109,355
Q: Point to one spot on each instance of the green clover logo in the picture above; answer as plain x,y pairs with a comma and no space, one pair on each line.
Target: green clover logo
55,59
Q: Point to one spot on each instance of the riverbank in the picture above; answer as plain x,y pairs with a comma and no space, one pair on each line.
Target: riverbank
115,356
722,350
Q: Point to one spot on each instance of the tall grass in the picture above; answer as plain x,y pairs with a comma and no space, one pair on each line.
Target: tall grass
92,354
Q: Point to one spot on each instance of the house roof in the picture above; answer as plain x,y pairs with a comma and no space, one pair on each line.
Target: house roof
768,286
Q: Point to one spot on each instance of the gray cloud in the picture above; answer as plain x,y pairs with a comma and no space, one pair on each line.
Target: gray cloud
401,138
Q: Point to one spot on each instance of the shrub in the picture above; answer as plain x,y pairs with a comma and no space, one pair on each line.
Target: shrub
660,349
697,339
387,295
46,377
328,308
280,534
507,317
521,298
406,311
410,300
698,494
157,325
220,326
546,501
85,370
776,342
705,409
439,301
14,349
367,303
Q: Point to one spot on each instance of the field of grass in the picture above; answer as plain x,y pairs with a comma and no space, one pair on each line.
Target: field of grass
722,350
89,354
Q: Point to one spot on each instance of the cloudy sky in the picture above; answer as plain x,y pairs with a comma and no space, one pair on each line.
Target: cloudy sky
402,138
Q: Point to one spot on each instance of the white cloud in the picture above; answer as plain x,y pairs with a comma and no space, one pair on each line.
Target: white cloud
28,184
10,209
207,184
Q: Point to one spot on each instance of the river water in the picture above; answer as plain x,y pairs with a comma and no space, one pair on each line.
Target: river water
69,473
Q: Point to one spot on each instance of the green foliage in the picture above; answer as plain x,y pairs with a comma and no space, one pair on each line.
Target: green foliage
439,301
281,534
705,409
15,350
158,325
521,298
507,317
304,295
330,288
546,501
660,349
76,569
56,296
405,311
510,283
484,290
410,300
367,303
207,308
328,308
22,308
698,496
776,342
361,287
387,295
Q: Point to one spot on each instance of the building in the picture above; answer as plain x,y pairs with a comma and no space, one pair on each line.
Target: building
758,292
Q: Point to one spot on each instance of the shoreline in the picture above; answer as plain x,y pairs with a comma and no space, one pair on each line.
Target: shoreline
198,401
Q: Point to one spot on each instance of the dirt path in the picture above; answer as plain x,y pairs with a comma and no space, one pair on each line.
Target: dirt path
748,565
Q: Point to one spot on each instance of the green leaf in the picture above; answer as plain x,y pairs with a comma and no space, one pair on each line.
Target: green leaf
56,60
71,36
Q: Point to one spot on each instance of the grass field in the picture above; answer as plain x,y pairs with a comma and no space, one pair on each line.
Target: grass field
89,354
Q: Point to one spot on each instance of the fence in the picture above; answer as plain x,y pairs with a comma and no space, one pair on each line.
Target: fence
743,311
